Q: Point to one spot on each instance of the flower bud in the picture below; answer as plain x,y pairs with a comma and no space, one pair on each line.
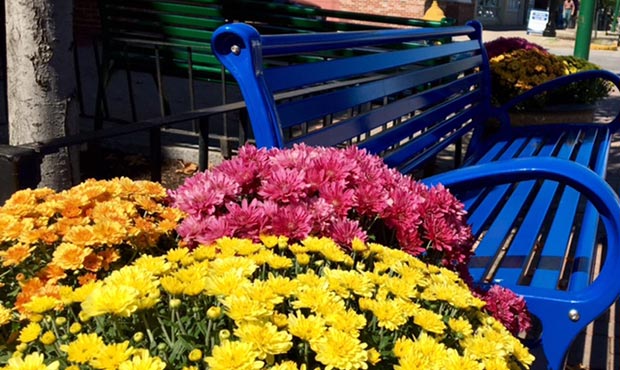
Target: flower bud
214,312
195,355
48,338
75,328
175,303
302,259
21,347
138,337
60,320
162,346
224,334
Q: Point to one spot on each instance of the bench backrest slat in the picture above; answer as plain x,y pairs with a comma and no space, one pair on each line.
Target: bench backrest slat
418,90
315,106
278,78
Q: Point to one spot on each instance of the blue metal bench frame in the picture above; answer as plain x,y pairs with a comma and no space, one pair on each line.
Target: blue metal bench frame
536,195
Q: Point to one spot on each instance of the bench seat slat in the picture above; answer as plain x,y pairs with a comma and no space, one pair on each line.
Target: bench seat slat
510,210
588,232
511,271
563,225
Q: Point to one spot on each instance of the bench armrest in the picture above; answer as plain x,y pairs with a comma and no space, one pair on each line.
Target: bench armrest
606,287
559,82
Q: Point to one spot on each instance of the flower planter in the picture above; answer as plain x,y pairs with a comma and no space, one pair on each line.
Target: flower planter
579,113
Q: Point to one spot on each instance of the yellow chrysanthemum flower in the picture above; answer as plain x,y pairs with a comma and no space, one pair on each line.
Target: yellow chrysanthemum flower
317,299
177,254
454,361
84,348
338,350
42,304
111,299
205,252
234,356
172,285
261,292
479,347
111,356
347,321
48,338
242,308
429,321
286,365
265,338
5,315
33,361
155,265
226,283
460,326
307,328
424,351
30,332
390,313
143,361
139,279
281,285
225,264
194,279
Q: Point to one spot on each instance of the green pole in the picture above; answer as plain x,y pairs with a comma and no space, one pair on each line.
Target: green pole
614,22
584,29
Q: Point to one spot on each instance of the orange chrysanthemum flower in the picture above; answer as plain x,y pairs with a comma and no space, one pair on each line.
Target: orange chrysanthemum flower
109,256
52,273
15,254
86,278
109,232
70,256
71,208
93,262
81,236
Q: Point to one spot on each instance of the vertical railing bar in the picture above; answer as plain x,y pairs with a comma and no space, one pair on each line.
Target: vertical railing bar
224,144
101,107
190,76
203,144
78,79
132,101
155,133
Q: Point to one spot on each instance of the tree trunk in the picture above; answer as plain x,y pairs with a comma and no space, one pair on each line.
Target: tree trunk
41,81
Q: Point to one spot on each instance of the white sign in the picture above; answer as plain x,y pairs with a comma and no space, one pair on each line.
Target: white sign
538,21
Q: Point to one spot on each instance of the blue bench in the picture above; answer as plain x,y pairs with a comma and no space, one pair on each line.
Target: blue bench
536,195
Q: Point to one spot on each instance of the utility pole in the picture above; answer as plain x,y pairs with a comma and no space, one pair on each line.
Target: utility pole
614,21
584,29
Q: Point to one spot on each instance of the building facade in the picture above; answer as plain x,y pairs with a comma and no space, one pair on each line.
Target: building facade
489,12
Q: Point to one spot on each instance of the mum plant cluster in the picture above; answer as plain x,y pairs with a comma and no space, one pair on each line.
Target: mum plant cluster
518,65
276,259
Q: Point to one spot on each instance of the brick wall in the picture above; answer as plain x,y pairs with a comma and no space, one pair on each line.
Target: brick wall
402,8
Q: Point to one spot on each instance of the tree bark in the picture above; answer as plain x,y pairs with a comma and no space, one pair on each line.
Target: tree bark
41,81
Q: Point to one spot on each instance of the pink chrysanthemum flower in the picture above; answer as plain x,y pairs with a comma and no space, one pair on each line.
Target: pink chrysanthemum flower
284,185
292,221
344,230
508,308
